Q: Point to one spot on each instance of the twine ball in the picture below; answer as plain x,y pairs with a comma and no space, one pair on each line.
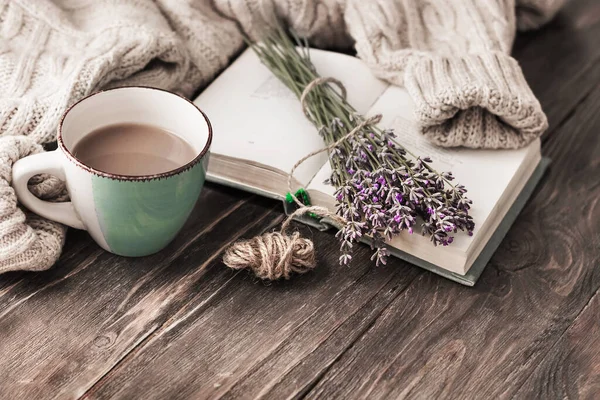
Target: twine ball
273,255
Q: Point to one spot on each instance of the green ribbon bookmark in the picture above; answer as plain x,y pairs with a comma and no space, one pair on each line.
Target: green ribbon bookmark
302,195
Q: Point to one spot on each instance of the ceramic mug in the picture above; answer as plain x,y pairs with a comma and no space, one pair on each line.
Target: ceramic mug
126,215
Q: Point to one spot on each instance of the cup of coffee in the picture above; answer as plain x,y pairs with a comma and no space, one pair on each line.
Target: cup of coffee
134,160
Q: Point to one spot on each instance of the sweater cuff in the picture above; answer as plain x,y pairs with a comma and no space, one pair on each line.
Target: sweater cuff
476,100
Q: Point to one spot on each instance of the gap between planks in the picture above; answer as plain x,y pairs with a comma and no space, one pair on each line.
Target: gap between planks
308,388
556,342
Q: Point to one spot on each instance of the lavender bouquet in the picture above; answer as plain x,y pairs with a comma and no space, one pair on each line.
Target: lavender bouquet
381,187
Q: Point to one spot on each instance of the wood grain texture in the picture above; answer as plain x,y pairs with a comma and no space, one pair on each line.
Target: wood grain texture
571,369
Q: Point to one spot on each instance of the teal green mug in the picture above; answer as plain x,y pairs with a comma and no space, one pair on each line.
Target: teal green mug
126,215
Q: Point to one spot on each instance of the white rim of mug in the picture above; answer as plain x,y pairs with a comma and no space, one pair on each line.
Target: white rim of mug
122,177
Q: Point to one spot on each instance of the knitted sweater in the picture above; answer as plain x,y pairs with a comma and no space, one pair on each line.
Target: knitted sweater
451,55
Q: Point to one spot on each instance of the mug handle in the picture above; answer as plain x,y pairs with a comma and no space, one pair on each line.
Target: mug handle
43,163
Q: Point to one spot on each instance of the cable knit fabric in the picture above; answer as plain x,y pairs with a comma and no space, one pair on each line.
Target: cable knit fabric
452,56
27,241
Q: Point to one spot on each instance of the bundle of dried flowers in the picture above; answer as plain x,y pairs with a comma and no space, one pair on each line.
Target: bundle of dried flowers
381,187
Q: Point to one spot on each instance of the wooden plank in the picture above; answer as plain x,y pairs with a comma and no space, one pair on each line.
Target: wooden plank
441,340
245,339
572,367
561,60
63,329
16,287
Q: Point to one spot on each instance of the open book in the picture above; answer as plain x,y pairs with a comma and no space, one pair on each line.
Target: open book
260,132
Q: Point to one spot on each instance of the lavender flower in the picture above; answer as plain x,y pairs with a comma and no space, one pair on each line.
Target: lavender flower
390,191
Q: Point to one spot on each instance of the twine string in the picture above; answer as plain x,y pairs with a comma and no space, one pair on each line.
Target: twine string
276,255
312,85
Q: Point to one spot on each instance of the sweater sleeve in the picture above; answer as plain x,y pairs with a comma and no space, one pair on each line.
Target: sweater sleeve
453,58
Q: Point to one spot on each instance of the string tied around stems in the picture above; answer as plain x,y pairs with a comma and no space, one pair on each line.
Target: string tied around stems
276,255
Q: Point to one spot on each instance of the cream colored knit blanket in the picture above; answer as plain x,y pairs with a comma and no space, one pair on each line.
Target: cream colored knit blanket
452,56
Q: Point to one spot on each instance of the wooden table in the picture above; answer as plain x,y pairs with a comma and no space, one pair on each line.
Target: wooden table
180,325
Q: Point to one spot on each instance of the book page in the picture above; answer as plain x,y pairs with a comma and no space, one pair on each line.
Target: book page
255,117
318,182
